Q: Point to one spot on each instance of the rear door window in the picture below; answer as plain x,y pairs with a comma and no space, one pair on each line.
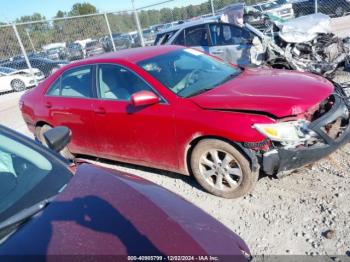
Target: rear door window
77,82
180,39
225,34
197,36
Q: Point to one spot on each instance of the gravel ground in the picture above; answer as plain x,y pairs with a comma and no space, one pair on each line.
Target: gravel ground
292,215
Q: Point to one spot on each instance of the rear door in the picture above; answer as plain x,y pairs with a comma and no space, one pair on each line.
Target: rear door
69,103
230,43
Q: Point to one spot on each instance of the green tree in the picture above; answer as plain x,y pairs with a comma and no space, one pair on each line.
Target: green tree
82,9
30,18
60,14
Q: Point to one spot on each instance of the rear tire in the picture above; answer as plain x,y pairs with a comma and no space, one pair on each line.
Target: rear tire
18,85
221,169
40,136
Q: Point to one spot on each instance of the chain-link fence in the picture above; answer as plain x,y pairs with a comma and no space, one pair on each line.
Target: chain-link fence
333,8
36,49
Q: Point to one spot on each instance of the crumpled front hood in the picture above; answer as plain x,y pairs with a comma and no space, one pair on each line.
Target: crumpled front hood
305,28
277,92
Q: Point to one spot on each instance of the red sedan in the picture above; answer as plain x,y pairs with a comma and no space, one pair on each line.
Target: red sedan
178,109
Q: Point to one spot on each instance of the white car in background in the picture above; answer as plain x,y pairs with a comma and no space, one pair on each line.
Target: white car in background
18,80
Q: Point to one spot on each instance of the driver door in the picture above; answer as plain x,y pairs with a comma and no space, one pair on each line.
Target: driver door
142,135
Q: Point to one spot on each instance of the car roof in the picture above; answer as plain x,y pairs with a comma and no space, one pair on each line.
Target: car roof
191,23
134,55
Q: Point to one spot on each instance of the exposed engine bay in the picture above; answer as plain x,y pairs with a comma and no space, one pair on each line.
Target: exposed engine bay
307,44
304,43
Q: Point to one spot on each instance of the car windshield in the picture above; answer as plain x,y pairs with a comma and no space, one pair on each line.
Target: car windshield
7,70
188,72
29,174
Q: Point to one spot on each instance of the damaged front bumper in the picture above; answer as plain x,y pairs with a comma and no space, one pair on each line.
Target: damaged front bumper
283,159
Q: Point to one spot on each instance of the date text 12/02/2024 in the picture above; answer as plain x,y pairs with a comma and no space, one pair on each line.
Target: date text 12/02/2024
173,258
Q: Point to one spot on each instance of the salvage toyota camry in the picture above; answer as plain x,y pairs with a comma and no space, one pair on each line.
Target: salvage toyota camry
179,109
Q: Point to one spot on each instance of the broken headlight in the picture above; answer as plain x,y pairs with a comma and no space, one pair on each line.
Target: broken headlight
287,132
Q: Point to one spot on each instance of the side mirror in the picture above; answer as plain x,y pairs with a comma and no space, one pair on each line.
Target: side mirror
144,98
57,138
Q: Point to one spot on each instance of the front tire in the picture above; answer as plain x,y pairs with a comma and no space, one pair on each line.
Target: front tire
18,85
221,169
339,11
39,133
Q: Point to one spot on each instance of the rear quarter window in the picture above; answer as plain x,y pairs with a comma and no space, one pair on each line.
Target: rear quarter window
75,82
54,89
163,38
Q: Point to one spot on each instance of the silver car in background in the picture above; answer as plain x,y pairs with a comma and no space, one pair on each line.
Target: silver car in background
230,42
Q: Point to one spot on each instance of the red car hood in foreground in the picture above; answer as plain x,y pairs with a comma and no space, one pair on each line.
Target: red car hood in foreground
277,92
105,212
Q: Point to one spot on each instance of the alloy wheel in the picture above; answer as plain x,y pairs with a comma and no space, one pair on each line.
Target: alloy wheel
220,169
17,85
339,11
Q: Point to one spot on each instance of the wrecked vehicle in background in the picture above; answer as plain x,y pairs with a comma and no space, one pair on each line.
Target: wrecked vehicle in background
304,44
307,44
227,41
224,35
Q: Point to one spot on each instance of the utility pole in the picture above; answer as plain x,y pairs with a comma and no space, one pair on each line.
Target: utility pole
213,8
30,40
316,6
24,53
110,32
139,30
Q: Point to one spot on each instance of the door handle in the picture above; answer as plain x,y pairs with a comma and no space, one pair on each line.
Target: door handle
100,111
48,104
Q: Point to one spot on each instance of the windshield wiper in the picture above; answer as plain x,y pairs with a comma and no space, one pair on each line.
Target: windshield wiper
25,214
200,91
229,77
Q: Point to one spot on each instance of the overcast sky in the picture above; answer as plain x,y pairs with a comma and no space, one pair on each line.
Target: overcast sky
12,9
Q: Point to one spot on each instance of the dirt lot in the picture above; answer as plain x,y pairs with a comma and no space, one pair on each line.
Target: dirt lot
287,216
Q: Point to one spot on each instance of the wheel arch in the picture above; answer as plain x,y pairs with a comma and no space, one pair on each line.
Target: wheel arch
247,153
40,124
